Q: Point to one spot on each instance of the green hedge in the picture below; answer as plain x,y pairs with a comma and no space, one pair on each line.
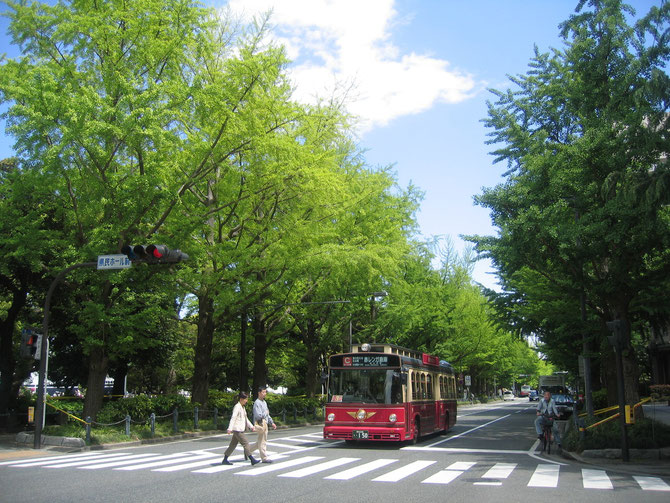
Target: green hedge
644,434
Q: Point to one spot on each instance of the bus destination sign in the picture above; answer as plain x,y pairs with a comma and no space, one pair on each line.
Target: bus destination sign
365,361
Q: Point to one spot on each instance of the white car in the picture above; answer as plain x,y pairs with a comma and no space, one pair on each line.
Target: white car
508,395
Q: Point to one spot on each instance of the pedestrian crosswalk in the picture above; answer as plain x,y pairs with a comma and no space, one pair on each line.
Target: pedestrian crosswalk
299,465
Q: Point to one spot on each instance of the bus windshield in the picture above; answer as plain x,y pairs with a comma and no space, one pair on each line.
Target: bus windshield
365,386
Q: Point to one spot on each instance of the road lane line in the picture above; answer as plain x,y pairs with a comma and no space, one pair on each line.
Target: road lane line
280,466
462,450
596,479
500,471
360,470
545,476
468,431
651,483
405,471
311,470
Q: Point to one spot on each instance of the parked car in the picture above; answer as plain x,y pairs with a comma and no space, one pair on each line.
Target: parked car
533,396
508,395
565,405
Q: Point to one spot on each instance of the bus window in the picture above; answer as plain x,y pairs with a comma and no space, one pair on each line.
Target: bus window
423,385
414,397
429,386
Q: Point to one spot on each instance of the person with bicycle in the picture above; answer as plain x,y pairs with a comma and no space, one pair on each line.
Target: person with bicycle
546,409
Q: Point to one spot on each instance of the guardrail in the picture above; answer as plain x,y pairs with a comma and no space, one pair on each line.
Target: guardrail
307,413
629,413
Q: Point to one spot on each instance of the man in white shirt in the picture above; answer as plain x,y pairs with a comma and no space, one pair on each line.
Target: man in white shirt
547,406
262,420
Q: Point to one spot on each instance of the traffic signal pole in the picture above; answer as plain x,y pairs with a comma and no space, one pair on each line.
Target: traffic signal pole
40,409
141,254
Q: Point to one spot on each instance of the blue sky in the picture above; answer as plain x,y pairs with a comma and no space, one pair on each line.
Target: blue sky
416,72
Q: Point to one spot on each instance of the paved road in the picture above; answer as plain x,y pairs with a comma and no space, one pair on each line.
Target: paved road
489,455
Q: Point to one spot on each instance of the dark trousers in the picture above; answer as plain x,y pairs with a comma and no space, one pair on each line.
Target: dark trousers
238,437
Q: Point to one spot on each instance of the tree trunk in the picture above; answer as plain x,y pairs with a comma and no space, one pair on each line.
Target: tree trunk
203,349
7,360
260,353
244,378
312,380
95,385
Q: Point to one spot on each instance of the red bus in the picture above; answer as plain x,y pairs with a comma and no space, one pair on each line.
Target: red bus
384,392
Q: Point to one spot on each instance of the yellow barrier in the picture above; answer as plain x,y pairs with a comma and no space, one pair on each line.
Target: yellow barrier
644,400
67,413
600,411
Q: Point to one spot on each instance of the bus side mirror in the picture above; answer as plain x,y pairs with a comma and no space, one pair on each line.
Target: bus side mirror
324,378
403,379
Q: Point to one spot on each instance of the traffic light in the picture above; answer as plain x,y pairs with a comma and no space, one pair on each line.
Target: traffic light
30,344
153,254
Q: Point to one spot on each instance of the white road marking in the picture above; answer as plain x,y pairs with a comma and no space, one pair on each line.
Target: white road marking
311,470
137,458
360,470
280,466
52,462
596,479
450,473
487,483
405,471
81,462
500,471
48,458
651,483
169,460
468,431
545,476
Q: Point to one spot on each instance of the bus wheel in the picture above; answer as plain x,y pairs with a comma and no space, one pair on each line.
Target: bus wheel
446,423
415,438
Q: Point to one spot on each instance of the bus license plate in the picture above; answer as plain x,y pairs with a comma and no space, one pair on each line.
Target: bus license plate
359,434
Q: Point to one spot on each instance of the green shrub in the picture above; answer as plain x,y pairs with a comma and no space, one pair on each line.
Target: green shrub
644,434
599,399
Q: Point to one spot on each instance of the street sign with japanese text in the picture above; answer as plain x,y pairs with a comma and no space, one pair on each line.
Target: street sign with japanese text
117,261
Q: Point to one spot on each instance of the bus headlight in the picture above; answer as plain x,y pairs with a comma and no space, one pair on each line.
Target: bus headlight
331,417
393,418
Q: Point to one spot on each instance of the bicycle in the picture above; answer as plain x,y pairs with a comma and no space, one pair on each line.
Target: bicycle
547,427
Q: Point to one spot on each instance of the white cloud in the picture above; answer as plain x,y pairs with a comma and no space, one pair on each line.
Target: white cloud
337,44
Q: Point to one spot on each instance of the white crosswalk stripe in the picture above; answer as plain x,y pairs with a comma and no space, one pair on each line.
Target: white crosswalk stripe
171,461
137,458
405,471
80,462
360,470
545,475
17,462
280,466
294,465
500,471
311,470
450,473
652,483
53,461
596,479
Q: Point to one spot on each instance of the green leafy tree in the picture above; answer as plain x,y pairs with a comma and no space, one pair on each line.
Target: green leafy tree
584,134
